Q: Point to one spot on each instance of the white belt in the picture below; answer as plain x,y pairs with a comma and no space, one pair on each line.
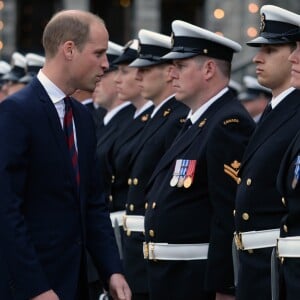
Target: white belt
165,251
117,215
256,239
134,223
288,246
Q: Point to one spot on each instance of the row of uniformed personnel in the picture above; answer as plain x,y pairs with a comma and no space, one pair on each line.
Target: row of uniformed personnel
178,186
174,177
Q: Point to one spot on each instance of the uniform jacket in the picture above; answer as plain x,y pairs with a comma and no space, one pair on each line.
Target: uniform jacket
289,188
106,136
154,140
259,205
122,149
46,222
202,211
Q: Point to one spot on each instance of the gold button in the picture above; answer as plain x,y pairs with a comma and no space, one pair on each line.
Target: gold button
128,232
234,212
250,251
113,178
135,181
131,207
283,201
129,181
110,197
285,228
146,205
153,205
245,216
151,233
249,181
239,180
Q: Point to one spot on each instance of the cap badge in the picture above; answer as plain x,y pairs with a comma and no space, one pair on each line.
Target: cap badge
262,23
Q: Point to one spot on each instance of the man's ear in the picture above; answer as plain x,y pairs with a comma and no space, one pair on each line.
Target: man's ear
209,68
68,48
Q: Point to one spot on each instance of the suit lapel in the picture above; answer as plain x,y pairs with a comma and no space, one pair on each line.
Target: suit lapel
281,114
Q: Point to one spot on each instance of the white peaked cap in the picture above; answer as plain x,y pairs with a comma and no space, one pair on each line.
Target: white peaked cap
4,67
148,37
19,60
190,40
33,59
152,47
275,23
114,49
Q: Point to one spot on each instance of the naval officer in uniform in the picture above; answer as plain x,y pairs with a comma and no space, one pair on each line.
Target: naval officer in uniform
190,196
288,246
259,206
166,120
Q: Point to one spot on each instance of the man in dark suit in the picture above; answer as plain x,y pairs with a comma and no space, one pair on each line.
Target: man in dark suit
156,137
190,196
288,245
259,206
51,207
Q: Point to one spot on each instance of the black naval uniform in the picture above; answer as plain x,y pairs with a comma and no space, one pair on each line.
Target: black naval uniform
288,183
198,208
156,138
259,205
123,148
107,134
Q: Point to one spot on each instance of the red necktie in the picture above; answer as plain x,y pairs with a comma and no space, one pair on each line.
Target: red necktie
69,132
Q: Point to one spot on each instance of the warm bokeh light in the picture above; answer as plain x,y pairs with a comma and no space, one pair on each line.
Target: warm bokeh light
252,32
253,8
219,13
219,33
1,45
1,5
125,3
1,25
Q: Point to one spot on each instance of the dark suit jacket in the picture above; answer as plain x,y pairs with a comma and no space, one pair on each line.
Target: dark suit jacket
122,149
154,140
257,195
290,223
202,212
46,223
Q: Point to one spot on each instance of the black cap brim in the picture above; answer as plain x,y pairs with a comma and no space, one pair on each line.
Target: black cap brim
141,63
257,42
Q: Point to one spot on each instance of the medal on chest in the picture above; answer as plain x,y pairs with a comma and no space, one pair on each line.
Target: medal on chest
183,174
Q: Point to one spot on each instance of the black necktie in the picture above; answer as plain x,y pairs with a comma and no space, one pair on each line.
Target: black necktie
187,124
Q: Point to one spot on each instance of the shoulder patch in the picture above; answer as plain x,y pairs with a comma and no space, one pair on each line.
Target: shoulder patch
232,170
228,121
